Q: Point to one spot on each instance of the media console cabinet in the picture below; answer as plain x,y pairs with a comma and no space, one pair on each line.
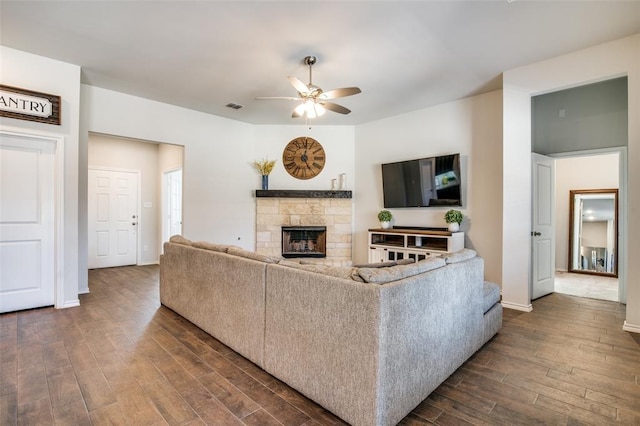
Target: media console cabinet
415,243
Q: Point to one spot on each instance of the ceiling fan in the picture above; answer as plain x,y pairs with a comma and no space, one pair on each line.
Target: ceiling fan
314,99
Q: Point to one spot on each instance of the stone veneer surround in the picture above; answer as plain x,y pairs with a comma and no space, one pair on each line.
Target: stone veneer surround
335,213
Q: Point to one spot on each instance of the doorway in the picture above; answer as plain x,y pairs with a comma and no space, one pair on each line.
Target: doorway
31,194
112,217
151,160
587,170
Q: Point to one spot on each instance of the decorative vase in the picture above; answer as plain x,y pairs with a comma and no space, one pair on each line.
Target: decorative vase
385,225
265,182
454,227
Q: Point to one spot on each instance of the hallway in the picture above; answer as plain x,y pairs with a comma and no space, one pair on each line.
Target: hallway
584,285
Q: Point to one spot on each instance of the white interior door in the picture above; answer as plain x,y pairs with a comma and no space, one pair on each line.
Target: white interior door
113,218
543,227
27,222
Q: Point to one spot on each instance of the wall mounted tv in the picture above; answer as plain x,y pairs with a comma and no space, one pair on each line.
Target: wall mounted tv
425,182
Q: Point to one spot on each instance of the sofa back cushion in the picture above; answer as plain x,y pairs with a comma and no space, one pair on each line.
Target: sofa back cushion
223,248
386,264
237,251
345,272
395,273
460,256
179,239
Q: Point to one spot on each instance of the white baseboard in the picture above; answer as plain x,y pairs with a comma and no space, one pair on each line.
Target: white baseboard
71,304
84,291
148,263
517,306
631,327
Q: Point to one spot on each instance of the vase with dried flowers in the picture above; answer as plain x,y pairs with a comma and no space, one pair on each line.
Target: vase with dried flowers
264,167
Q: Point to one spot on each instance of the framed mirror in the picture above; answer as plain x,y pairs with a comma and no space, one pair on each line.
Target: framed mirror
593,231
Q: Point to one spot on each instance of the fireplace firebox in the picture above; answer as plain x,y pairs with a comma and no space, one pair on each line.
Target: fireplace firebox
304,241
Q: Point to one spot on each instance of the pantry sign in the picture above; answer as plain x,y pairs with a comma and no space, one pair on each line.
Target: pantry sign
29,105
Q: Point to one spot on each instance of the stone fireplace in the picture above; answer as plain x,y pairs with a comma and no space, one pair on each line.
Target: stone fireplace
332,210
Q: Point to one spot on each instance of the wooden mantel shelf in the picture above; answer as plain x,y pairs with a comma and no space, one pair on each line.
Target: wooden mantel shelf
297,193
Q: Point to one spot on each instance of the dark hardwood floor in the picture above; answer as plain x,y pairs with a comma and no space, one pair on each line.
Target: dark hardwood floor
121,358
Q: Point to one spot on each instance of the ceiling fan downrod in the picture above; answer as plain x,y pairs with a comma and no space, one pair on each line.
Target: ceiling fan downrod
310,61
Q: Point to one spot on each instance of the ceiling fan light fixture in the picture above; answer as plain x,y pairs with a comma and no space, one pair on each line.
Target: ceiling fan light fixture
318,109
310,109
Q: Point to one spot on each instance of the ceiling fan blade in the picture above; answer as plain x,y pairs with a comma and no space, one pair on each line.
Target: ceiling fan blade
298,85
340,93
335,107
295,114
286,98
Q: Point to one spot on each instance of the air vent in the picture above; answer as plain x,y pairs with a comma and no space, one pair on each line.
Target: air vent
233,105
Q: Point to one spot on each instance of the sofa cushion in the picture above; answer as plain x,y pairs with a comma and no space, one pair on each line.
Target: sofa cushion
345,272
223,248
179,239
376,265
237,251
395,273
385,264
460,256
490,295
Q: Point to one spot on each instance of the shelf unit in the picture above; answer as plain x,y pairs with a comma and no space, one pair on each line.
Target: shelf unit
419,244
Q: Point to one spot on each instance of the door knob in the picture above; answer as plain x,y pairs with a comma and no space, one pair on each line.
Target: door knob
536,233
133,217
133,223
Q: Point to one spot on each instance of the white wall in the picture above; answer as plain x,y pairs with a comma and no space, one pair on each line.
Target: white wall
338,144
26,71
472,127
217,202
219,181
128,154
576,173
170,157
617,58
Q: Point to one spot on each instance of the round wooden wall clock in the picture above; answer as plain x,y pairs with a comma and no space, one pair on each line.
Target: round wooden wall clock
303,158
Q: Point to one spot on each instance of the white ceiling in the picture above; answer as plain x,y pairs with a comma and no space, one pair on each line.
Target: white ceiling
404,55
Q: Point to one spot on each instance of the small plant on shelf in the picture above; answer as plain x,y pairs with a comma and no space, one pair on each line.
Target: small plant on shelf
453,218
385,216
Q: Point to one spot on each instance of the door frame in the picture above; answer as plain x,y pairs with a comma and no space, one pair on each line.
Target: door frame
623,259
138,173
58,208
164,198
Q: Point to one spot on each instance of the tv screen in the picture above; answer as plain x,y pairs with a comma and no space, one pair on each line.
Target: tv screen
425,182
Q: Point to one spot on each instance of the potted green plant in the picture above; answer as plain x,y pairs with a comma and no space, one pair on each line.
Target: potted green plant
453,218
385,216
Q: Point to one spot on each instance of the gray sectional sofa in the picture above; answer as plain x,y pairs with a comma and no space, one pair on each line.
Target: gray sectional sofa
367,343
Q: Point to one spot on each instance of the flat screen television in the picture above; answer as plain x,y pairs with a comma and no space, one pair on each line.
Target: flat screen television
424,182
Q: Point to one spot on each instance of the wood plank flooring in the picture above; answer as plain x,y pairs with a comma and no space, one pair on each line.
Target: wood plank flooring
121,358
